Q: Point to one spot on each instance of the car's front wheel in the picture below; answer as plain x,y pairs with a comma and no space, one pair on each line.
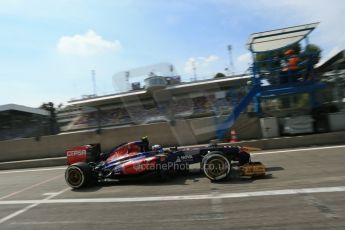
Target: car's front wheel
216,166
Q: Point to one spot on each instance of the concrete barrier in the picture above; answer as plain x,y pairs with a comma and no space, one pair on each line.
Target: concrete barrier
55,146
183,132
166,134
297,141
45,162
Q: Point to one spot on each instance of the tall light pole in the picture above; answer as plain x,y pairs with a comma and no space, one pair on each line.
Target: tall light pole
194,69
93,76
231,68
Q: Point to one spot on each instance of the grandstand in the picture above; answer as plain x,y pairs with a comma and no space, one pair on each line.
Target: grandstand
192,100
18,121
211,98
179,101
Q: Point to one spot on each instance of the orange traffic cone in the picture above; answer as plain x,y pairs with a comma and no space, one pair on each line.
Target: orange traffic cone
233,136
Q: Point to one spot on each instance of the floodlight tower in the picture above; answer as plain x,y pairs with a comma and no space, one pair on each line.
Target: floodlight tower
231,64
93,78
194,70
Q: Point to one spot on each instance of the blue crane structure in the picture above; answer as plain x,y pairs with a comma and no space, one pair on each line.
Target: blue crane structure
269,44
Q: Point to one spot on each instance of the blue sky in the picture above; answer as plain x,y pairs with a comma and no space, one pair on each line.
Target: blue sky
48,48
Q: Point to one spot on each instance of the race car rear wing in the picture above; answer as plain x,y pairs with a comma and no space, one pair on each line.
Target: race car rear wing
84,153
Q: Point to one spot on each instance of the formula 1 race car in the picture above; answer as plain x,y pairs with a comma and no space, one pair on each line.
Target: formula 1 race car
87,165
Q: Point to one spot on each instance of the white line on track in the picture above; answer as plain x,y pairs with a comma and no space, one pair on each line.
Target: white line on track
180,198
299,150
29,187
32,170
32,205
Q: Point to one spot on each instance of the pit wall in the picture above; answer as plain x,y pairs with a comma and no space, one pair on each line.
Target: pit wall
180,132
55,145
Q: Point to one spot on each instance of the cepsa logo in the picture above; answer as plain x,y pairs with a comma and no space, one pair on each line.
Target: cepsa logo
73,153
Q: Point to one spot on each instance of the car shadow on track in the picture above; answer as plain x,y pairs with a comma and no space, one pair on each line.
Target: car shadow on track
272,169
179,179
246,180
235,177
193,176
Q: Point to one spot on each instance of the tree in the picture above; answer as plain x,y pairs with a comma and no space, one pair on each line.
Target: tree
272,60
314,52
219,75
53,125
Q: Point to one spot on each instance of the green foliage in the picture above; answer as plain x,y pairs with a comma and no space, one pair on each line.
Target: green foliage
272,60
50,107
219,75
315,52
269,60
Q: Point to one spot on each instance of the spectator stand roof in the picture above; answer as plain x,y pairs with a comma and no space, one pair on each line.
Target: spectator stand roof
186,87
279,38
336,62
22,108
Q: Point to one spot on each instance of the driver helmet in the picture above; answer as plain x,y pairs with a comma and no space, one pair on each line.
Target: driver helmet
157,148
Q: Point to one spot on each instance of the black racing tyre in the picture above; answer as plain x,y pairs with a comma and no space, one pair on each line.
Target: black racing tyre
162,175
79,175
216,166
162,171
184,169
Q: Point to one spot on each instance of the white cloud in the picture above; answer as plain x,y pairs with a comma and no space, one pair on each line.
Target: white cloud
201,64
243,61
245,58
189,65
87,44
211,58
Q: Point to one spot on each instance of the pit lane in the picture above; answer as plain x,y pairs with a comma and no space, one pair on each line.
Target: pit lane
40,199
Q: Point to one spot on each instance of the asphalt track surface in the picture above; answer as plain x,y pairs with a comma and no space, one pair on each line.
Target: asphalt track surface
306,191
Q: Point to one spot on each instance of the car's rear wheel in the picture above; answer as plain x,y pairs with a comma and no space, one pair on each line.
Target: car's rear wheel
79,175
216,166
